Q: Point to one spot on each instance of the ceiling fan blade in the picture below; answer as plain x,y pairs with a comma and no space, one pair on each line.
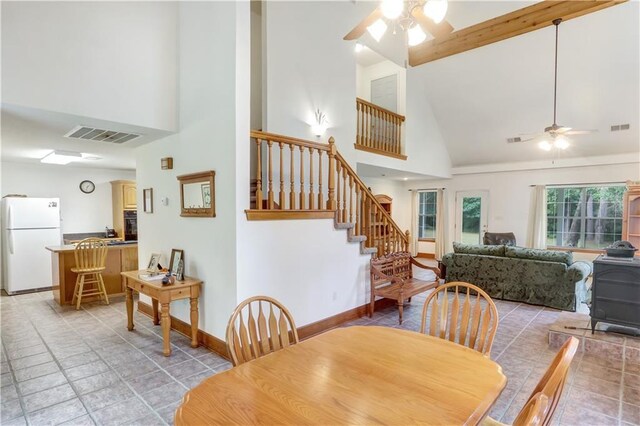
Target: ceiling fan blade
436,30
359,29
581,132
526,140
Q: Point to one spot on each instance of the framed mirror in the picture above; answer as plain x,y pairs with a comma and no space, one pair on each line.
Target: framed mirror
197,194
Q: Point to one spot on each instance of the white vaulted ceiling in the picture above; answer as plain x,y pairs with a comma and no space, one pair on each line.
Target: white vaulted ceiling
484,96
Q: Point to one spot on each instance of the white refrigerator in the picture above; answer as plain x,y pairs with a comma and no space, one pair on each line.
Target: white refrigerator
28,225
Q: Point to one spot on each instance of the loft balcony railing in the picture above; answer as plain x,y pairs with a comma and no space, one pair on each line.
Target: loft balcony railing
379,130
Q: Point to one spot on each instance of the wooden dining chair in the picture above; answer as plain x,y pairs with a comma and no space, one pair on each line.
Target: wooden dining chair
471,321
268,327
532,414
550,387
91,257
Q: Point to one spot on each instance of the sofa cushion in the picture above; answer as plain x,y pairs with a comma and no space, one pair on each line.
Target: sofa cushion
537,254
488,250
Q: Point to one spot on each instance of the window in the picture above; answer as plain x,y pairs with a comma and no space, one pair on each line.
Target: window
427,215
584,217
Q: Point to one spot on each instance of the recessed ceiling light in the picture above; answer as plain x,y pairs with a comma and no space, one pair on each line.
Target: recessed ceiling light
61,157
90,157
405,178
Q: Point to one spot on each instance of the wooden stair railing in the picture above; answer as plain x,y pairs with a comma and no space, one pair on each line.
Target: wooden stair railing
333,190
379,130
356,204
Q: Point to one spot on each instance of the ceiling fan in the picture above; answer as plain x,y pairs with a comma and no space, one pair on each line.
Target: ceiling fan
554,136
414,16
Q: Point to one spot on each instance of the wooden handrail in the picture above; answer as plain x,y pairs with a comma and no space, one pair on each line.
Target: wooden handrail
299,163
379,108
273,137
372,198
378,130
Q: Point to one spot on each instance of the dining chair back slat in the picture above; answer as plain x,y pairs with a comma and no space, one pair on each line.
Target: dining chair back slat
264,334
534,411
478,320
253,334
258,337
273,327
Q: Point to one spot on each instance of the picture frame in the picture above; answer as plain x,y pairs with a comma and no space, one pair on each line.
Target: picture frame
206,195
176,256
147,200
152,267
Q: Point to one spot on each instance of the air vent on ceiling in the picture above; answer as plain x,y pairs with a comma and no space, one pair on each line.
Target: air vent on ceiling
514,140
619,127
91,133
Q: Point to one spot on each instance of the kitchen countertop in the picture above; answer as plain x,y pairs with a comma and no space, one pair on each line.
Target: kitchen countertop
72,247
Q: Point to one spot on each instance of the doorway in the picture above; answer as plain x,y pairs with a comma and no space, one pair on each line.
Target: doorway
471,216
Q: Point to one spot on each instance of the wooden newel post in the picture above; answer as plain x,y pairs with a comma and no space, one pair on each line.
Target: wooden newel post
408,241
331,202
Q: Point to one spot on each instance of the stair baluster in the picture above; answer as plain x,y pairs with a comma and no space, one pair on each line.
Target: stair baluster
312,196
281,194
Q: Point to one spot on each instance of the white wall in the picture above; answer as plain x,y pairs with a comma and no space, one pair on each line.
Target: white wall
306,264
80,212
383,69
114,61
510,192
206,141
424,145
308,67
401,198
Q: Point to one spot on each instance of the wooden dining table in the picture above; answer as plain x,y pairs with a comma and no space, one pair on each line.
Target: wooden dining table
352,375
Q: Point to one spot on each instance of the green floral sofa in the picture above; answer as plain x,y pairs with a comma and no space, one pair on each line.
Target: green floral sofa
540,277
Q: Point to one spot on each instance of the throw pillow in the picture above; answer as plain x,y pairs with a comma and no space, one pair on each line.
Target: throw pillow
539,254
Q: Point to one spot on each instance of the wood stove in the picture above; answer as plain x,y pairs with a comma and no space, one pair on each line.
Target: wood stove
615,292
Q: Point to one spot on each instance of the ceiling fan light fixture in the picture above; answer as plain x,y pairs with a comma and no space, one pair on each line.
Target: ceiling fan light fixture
436,9
391,9
359,47
415,35
545,145
561,142
377,29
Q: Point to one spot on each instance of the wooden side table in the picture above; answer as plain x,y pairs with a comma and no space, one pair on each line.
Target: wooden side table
164,295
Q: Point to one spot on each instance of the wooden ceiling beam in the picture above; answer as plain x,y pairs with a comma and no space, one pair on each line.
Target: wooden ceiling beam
521,21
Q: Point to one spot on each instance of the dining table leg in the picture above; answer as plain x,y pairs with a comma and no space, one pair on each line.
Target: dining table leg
166,328
129,303
156,317
194,322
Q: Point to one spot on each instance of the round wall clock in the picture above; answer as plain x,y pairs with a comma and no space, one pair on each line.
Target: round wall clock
87,186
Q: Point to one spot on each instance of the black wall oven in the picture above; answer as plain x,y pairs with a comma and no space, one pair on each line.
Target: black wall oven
130,225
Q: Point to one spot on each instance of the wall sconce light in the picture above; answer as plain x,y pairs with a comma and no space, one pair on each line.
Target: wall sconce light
320,125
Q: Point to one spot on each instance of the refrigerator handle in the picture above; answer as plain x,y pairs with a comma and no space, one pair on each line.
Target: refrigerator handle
10,241
9,221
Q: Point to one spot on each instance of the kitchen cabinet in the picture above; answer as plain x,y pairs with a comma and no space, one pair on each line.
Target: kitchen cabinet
129,199
124,199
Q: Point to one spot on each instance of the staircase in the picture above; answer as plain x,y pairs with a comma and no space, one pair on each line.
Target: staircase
311,180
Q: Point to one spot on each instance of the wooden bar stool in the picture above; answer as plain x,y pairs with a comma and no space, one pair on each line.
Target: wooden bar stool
91,256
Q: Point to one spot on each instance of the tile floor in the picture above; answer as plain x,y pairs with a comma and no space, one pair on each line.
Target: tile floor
62,366
83,367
